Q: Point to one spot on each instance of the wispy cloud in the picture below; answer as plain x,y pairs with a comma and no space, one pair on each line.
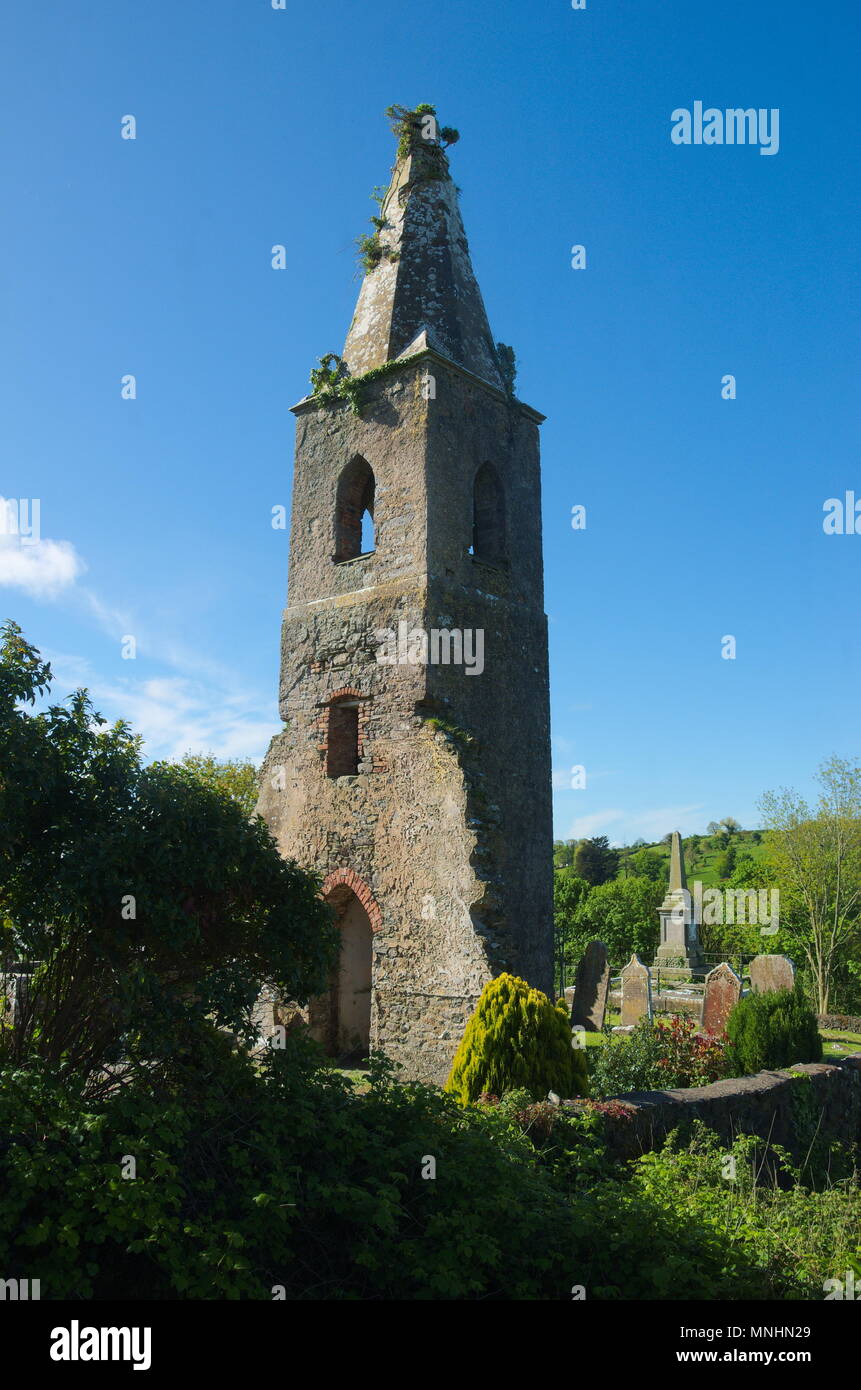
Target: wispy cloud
195,705
634,825
584,827
561,777
175,714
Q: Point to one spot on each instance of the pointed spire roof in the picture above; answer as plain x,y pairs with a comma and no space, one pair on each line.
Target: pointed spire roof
677,864
422,292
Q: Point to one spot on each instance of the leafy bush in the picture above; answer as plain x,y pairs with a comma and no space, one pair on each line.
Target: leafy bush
251,1180
772,1030
247,1180
656,1056
516,1039
147,897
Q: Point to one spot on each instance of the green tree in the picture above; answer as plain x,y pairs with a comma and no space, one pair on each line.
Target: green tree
816,854
151,906
595,861
725,862
623,914
648,863
235,777
731,939
569,891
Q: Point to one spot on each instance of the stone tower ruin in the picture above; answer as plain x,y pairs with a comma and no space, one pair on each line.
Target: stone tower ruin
413,773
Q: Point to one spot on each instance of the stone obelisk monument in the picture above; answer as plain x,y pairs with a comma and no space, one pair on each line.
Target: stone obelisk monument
679,926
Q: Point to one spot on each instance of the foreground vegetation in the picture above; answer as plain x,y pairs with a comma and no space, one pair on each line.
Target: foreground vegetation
282,1181
145,1153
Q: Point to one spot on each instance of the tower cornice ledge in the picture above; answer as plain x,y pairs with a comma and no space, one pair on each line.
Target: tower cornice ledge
427,354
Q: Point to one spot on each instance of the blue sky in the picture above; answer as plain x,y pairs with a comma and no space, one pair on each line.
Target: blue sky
256,127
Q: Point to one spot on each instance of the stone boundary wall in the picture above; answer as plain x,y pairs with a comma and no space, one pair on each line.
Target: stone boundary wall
760,1105
840,1023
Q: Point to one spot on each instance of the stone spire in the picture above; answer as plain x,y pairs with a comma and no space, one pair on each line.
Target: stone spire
422,292
677,864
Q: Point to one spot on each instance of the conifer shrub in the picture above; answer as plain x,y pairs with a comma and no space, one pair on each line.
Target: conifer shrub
772,1030
516,1040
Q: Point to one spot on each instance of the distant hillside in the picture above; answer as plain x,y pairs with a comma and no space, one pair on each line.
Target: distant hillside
705,856
702,853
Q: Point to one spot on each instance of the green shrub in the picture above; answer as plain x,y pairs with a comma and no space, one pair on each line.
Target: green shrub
772,1030
656,1056
516,1039
251,1179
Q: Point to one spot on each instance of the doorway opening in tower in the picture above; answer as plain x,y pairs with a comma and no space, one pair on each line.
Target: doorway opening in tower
348,1026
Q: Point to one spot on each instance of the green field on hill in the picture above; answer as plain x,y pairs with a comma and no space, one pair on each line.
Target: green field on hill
701,859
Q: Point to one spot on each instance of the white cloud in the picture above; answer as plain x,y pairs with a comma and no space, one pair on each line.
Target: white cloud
42,570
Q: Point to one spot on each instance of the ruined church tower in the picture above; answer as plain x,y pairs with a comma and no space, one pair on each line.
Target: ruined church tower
413,773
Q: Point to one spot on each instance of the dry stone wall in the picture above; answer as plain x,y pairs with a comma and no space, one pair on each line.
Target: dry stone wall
761,1105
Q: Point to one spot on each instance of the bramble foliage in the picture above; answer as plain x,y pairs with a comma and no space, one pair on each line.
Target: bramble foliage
252,1179
516,1039
146,899
773,1030
248,1179
658,1055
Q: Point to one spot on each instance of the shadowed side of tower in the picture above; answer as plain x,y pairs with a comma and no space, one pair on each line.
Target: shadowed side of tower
414,771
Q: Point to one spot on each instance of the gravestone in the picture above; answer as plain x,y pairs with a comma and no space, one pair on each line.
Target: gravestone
592,985
723,991
771,972
636,992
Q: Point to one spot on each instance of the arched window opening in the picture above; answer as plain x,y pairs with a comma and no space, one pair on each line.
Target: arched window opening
488,517
342,742
354,511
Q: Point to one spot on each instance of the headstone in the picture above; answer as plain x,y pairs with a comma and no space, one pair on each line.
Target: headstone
569,997
723,991
771,972
592,985
636,992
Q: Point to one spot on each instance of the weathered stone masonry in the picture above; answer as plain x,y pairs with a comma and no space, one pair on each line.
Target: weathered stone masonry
442,834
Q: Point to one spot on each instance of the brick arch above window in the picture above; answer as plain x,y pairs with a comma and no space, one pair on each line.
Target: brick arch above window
348,878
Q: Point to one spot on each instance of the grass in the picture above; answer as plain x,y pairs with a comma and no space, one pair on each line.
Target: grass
358,1078
839,1044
